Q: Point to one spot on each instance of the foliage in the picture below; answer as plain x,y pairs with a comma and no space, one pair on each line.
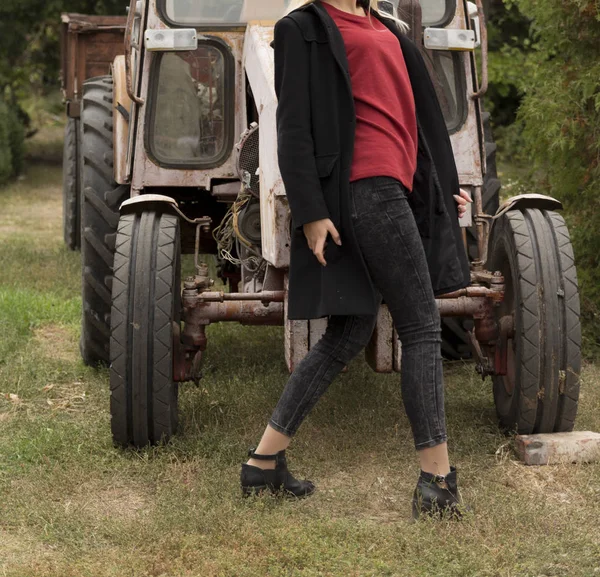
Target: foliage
509,46
29,40
560,120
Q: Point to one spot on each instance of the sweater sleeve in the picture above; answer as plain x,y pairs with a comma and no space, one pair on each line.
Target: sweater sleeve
295,146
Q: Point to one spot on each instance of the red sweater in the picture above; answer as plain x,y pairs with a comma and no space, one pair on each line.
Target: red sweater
386,122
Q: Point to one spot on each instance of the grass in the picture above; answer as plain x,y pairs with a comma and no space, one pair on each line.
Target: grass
73,505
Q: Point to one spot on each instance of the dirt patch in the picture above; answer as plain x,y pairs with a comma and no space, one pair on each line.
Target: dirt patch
56,342
17,548
41,222
554,483
33,207
368,491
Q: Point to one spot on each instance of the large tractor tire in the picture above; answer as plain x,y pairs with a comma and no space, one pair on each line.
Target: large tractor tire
146,307
101,198
455,344
71,204
540,392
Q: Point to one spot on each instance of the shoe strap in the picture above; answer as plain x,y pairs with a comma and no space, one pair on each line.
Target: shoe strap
440,478
260,457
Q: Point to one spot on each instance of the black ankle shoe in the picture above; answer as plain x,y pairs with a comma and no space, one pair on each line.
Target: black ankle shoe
432,498
279,480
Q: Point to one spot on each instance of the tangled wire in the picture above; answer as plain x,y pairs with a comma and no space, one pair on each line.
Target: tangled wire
228,233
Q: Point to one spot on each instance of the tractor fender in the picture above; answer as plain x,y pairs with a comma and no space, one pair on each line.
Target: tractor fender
121,112
142,202
523,201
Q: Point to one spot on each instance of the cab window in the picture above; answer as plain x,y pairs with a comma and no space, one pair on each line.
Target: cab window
221,12
437,13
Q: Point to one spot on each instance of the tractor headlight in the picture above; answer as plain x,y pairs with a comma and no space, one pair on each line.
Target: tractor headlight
167,40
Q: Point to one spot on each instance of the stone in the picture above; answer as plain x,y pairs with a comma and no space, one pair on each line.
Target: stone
555,448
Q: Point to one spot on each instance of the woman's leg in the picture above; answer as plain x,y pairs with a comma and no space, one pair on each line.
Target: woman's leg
389,240
344,338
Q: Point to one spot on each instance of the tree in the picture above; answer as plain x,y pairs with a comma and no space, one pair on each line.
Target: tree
29,40
560,117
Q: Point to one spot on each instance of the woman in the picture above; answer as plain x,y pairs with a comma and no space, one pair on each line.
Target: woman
370,177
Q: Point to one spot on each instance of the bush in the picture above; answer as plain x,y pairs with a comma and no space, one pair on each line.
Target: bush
560,117
12,138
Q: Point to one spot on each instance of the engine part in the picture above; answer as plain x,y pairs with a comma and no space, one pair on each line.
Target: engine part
247,161
248,224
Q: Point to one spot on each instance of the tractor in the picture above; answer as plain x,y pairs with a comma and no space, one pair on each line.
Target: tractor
178,156
88,46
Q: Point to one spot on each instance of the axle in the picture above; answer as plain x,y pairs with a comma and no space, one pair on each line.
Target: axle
202,307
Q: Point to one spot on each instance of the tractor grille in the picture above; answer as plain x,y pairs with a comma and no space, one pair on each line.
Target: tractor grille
247,160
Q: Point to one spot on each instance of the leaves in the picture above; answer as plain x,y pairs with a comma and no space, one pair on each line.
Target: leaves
29,39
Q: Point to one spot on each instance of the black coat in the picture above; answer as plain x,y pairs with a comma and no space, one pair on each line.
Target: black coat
316,123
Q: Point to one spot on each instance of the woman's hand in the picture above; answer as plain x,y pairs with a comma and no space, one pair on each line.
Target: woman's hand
462,200
316,234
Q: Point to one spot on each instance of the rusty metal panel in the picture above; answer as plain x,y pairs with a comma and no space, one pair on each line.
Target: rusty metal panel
91,23
146,173
379,351
120,120
259,63
89,45
466,142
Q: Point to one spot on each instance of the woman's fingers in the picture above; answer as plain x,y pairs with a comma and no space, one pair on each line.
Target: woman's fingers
462,205
462,200
318,250
335,235
316,235
464,194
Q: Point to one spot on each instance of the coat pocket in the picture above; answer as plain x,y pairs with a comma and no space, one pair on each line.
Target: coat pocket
325,164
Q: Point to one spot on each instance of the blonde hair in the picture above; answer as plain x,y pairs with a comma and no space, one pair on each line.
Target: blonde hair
374,4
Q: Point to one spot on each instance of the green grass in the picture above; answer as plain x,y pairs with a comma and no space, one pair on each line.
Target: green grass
73,505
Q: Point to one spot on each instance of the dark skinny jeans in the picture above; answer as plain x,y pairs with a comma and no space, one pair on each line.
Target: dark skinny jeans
391,246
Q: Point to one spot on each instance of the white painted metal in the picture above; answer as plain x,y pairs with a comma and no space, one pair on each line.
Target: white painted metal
317,328
258,61
146,198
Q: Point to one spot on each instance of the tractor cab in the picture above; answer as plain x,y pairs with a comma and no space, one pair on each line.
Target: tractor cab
177,154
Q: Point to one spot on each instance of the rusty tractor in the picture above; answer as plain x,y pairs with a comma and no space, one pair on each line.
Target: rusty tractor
178,156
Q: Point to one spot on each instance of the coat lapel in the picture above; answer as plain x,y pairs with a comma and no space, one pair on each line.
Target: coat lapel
335,41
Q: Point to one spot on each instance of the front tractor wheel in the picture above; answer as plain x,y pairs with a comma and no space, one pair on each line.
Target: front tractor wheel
539,347
146,312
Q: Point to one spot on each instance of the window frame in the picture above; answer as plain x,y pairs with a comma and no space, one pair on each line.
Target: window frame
161,7
461,89
228,110
448,15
